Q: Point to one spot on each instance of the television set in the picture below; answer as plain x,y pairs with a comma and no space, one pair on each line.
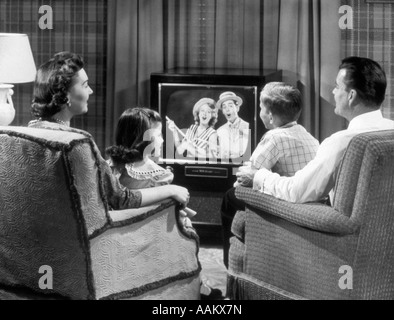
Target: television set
177,103
174,93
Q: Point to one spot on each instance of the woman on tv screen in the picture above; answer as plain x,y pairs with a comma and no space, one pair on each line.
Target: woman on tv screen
200,140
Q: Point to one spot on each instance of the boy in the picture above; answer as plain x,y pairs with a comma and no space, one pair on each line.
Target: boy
286,148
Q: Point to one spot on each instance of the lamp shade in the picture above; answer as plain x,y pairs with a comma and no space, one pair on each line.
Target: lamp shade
16,59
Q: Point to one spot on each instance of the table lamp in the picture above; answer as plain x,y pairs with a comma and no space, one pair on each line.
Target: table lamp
16,66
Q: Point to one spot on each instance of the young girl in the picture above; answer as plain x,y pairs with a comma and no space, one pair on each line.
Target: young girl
138,136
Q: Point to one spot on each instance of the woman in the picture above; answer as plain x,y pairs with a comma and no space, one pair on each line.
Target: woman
61,91
201,139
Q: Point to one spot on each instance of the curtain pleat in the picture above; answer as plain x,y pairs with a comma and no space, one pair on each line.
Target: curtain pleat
309,53
269,34
136,50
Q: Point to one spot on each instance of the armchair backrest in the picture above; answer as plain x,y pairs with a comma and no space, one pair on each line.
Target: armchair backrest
50,202
364,192
366,175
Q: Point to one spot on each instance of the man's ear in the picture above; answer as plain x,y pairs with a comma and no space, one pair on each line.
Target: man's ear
352,97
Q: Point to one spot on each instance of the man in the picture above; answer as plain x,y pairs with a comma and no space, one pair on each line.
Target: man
359,93
234,135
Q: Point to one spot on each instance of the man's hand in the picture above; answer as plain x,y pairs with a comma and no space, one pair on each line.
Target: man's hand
245,175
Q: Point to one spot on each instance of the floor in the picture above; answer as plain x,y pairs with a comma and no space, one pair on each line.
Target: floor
213,270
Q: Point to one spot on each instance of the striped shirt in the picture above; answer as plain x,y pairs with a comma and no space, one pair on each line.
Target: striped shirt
285,150
200,142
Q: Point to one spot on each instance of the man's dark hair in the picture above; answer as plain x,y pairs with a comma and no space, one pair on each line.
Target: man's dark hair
366,77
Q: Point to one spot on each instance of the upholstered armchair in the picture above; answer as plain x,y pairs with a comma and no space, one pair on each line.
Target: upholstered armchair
282,250
60,240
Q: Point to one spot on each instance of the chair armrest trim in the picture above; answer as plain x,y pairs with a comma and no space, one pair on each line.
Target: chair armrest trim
188,232
152,286
138,218
233,277
19,292
48,144
83,232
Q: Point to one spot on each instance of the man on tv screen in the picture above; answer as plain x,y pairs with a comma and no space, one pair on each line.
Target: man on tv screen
233,135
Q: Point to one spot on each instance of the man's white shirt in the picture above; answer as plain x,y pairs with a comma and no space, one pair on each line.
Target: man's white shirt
315,181
233,138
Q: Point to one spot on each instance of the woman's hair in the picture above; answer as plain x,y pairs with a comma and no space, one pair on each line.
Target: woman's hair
212,104
53,82
129,138
284,101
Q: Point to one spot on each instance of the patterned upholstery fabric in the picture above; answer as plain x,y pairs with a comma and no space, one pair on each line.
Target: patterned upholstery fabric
295,251
53,214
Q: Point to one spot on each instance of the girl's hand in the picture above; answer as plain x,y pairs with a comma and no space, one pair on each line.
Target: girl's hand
180,194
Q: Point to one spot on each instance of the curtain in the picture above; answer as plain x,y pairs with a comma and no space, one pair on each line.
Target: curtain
300,37
212,34
135,49
309,53
371,36
79,26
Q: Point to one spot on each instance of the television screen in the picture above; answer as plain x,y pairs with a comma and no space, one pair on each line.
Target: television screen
208,123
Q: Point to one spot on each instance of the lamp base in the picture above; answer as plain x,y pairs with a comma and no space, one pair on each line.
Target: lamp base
7,111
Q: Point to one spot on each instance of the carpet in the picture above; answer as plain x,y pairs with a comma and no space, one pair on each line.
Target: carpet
213,272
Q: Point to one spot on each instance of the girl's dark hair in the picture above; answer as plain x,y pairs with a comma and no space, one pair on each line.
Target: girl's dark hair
53,82
129,138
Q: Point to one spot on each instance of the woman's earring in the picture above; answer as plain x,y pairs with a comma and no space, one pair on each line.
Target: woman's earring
69,103
271,120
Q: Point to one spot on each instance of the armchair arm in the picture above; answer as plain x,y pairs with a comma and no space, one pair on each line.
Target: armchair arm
315,216
121,218
134,215
142,250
